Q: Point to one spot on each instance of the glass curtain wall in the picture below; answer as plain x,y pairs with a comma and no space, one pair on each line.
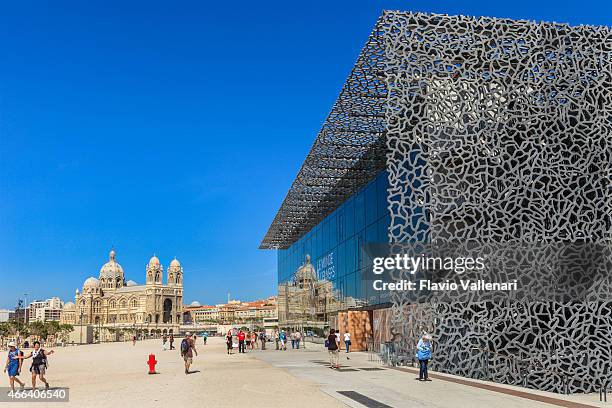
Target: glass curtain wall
335,245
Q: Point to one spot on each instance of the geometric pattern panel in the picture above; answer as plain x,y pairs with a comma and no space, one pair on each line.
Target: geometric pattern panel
501,131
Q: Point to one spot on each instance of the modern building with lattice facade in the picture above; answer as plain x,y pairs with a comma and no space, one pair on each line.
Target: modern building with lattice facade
111,304
493,133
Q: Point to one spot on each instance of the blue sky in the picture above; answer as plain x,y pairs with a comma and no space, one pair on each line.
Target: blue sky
174,129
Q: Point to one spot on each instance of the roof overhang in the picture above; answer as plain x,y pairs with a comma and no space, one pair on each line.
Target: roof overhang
349,150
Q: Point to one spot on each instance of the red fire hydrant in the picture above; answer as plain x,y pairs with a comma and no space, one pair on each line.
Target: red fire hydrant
151,363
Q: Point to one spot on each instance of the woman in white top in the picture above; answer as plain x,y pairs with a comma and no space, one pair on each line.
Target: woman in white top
347,340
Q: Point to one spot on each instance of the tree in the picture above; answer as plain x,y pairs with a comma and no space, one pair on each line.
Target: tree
52,327
63,331
38,329
5,329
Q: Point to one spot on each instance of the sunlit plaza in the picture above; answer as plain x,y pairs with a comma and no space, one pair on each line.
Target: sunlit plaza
440,237
116,374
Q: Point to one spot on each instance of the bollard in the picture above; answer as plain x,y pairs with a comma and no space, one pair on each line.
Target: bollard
151,363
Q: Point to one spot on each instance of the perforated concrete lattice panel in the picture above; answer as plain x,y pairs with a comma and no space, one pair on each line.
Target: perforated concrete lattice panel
499,131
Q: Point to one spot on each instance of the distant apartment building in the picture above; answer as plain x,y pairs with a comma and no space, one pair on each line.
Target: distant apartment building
202,314
45,310
235,311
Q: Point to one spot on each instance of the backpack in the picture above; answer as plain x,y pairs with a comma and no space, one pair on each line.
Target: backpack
184,346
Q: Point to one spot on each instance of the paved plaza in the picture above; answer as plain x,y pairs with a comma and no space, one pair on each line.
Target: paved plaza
115,375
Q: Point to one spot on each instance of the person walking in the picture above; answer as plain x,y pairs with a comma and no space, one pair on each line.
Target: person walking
333,346
347,341
282,337
133,340
39,363
205,337
262,339
164,342
298,339
424,355
241,338
171,341
292,337
187,350
229,342
276,338
247,339
13,365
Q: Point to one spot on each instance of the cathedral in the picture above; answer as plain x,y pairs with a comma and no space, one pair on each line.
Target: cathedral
110,303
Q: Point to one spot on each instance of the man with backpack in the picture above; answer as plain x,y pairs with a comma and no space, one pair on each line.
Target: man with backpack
187,350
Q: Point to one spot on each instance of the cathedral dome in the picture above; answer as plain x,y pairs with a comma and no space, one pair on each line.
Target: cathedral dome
154,262
111,269
175,263
131,283
306,272
68,306
91,283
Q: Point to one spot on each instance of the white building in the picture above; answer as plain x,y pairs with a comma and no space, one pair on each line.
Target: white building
44,310
5,314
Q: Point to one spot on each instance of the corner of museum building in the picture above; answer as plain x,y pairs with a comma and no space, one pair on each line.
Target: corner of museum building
490,131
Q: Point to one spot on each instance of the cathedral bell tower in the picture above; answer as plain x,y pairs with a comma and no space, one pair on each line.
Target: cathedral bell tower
154,271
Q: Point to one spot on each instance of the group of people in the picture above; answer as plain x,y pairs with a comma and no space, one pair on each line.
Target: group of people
423,351
281,338
14,363
333,346
246,340
332,343
168,342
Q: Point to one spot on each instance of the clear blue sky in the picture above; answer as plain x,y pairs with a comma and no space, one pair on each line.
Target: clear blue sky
173,128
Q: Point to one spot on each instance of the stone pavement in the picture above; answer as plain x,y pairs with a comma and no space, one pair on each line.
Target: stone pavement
390,387
115,375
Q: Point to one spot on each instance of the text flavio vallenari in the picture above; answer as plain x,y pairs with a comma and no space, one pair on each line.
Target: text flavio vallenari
447,285
413,264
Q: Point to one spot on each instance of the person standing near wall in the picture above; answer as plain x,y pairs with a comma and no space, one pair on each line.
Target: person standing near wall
424,355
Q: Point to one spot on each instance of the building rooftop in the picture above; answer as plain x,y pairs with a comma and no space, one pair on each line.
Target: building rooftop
349,150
